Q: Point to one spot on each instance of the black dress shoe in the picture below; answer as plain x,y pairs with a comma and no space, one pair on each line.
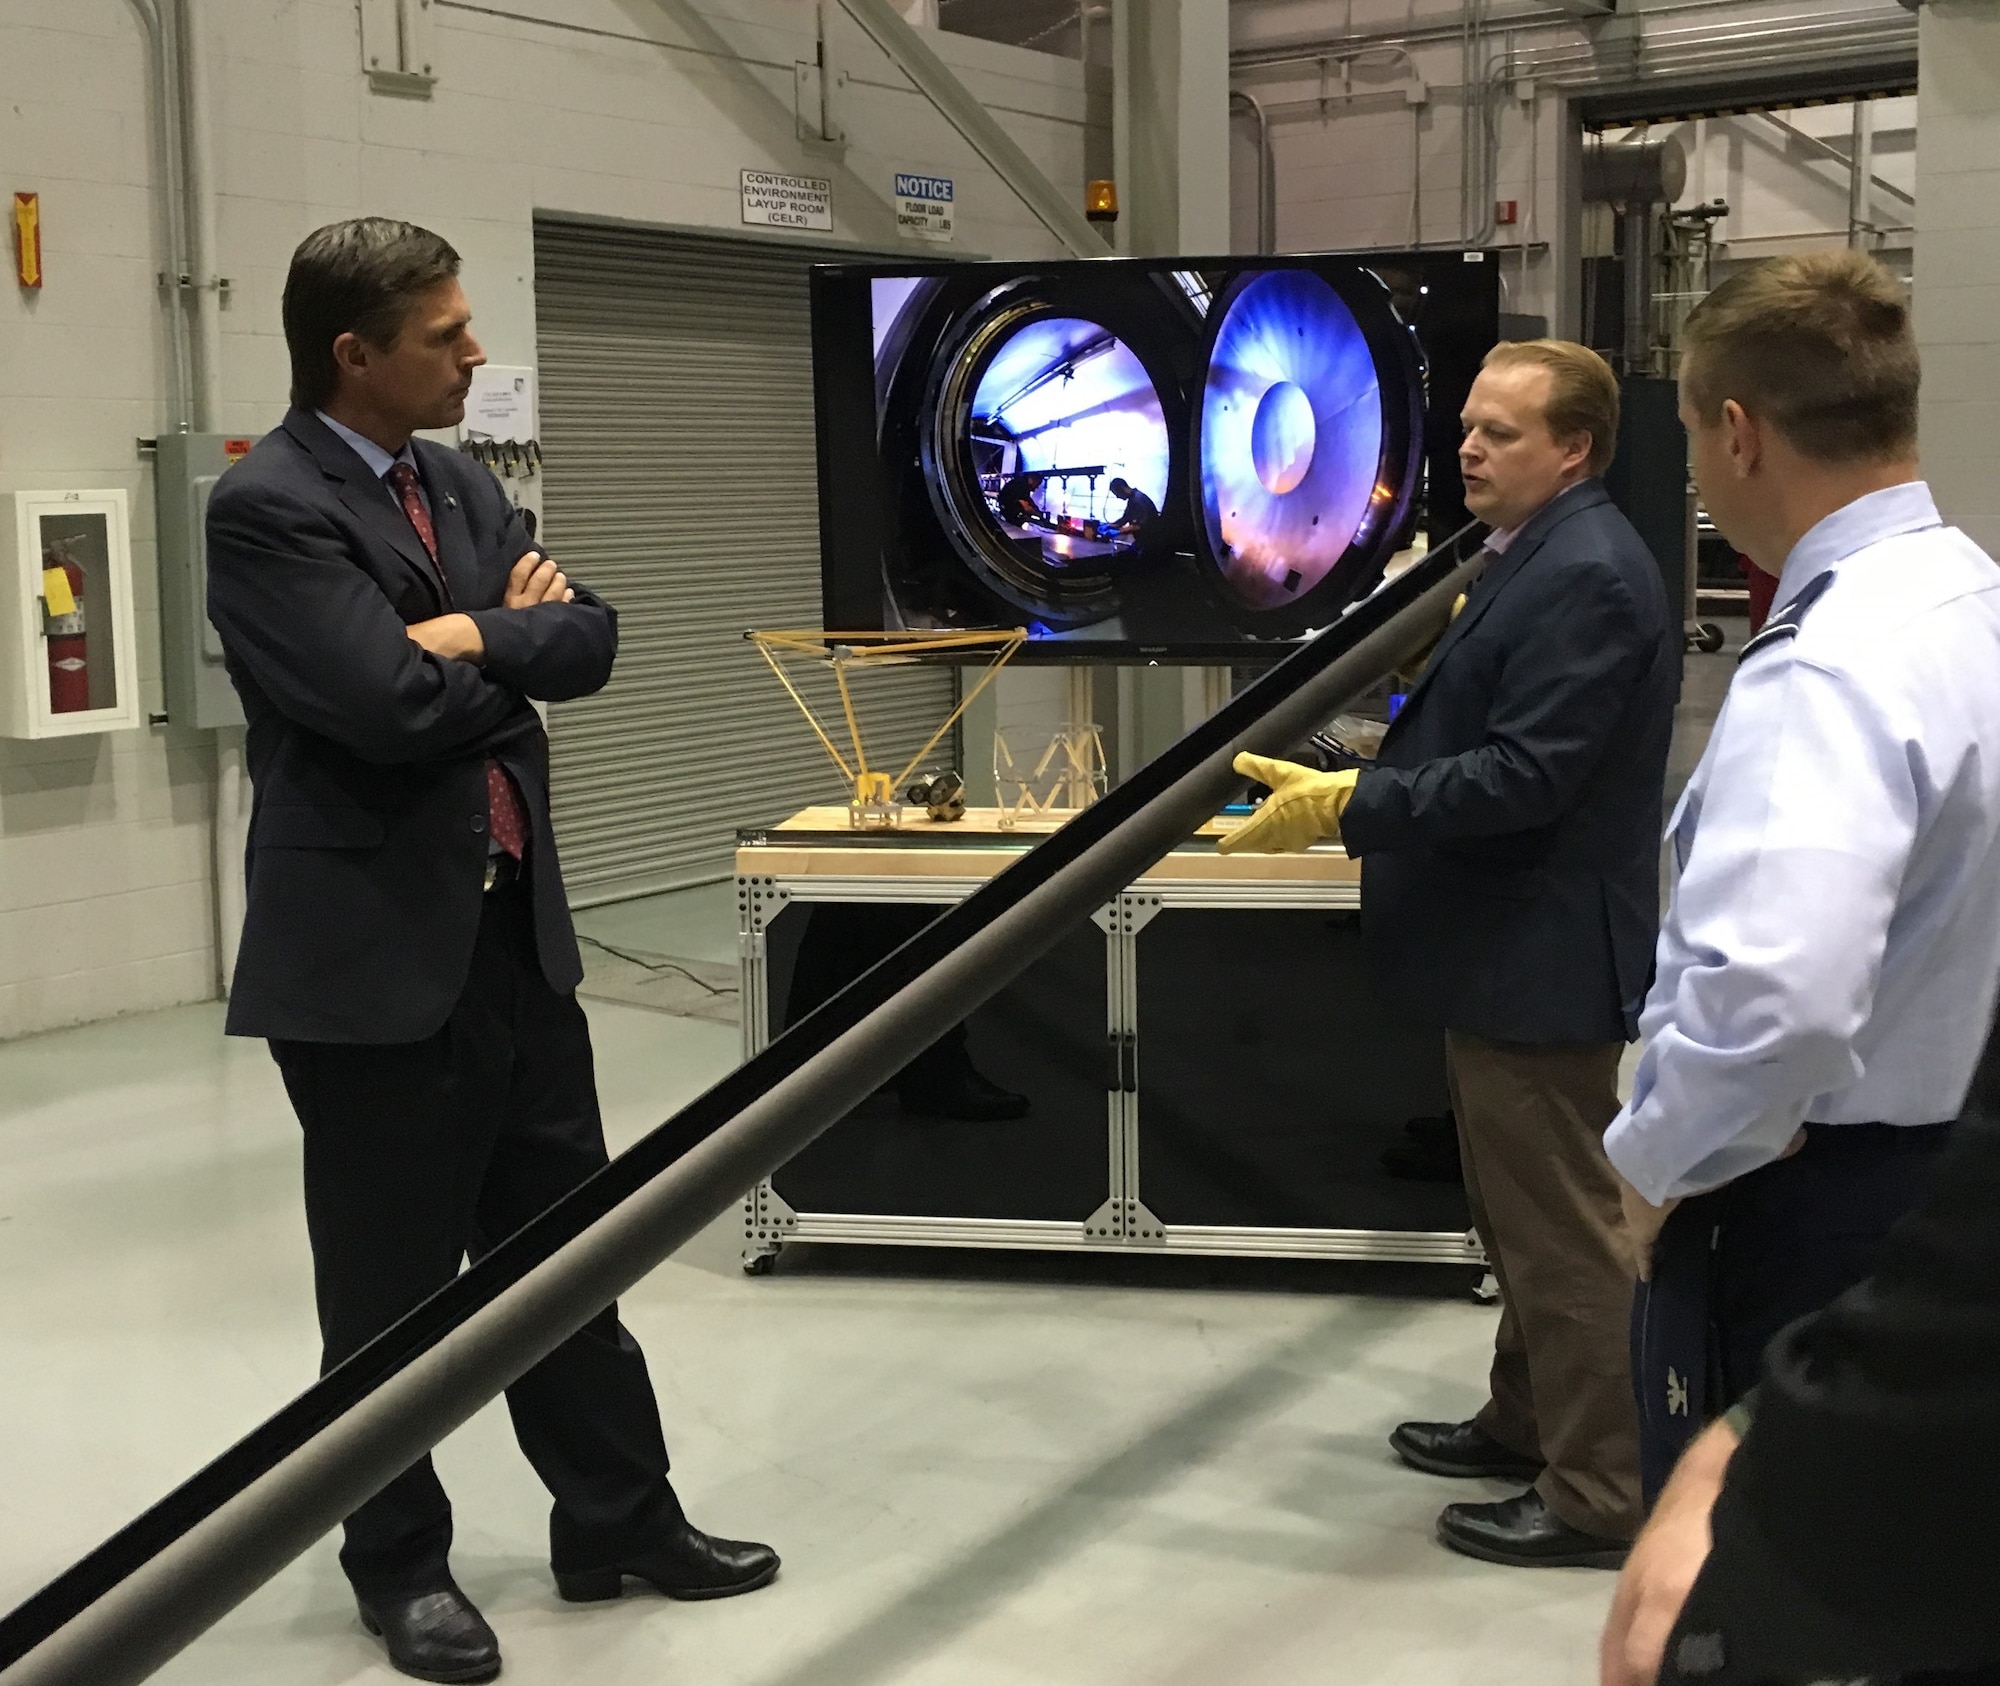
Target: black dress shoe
962,1092
1525,1534
690,1565
1460,1449
434,1635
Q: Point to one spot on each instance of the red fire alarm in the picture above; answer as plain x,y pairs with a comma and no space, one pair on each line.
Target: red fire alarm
1507,212
28,238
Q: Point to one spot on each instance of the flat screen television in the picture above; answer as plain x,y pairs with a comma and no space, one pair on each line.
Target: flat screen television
1137,459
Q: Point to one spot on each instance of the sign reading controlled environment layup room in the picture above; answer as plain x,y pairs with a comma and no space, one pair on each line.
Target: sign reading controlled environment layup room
923,206
773,201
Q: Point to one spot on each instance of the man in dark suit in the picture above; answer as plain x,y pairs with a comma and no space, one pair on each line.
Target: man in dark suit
1509,829
407,947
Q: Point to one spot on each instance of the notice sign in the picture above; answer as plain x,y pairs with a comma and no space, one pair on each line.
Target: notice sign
772,201
500,406
923,206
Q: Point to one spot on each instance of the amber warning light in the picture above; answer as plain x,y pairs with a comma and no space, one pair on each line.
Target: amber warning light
1100,201
28,238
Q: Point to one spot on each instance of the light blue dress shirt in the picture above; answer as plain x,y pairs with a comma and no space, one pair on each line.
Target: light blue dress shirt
378,460
1832,946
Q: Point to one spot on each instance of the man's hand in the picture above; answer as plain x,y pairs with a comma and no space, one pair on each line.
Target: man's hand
452,638
1304,806
535,579
1665,1560
1643,1223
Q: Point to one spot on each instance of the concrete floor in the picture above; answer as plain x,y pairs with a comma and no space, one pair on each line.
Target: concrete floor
982,1469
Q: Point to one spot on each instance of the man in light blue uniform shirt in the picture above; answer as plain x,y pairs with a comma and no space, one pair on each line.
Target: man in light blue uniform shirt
1826,971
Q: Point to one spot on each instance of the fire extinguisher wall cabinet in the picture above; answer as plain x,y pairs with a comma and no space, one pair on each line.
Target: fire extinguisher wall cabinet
68,651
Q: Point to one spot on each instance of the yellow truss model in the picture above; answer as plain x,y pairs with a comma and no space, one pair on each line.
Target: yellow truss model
874,800
1069,776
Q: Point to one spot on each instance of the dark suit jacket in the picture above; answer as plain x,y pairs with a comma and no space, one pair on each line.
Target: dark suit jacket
1510,827
368,831
1855,1533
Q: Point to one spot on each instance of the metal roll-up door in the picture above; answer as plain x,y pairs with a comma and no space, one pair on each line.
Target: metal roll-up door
680,484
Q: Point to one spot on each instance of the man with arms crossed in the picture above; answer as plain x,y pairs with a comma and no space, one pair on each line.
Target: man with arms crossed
1827,966
407,947
1509,834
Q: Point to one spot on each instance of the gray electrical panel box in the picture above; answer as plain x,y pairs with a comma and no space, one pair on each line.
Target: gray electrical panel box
187,466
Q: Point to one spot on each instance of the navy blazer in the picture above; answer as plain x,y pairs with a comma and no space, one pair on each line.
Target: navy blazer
367,850
1510,826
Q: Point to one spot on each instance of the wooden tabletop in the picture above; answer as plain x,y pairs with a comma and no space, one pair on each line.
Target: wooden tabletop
979,847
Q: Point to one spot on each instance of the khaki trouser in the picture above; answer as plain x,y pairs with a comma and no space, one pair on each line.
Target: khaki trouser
1531,1122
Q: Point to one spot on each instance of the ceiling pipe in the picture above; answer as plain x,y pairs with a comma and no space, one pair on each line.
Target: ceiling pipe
1646,37
198,142
1861,171
1267,172
170,195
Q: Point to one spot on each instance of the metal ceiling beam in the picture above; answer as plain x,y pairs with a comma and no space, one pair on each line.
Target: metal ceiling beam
1813,143
959,107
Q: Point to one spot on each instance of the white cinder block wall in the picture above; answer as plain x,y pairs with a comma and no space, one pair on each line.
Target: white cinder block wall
1958,260
636,109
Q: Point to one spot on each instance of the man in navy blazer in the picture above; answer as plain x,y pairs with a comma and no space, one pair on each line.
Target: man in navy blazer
1509,833
407,947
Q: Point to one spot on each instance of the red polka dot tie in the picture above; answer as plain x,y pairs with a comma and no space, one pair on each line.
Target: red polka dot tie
506,813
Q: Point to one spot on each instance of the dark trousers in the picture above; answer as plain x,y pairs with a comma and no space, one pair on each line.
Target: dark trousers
421,1154
1736,1265
1544,1200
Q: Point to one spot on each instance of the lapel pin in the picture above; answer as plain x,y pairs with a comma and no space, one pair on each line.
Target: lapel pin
450,502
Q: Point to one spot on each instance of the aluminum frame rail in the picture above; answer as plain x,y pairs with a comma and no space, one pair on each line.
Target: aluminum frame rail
151,1589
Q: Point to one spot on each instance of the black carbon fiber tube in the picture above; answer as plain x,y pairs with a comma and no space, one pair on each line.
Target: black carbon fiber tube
157,1585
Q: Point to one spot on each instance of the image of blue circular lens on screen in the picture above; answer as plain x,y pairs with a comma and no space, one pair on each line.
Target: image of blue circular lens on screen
1291,436
1063,409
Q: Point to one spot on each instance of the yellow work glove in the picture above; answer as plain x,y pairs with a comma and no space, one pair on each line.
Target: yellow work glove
1303,807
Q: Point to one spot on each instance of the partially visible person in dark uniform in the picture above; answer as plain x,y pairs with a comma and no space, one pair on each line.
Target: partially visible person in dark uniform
1508,832
1826,970
407,947
1839,1522
1140,511
1019,505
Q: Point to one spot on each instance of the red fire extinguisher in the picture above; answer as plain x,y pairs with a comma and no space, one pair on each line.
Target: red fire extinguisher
69,673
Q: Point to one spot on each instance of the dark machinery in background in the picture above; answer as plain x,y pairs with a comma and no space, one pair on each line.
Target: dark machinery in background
1639,180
